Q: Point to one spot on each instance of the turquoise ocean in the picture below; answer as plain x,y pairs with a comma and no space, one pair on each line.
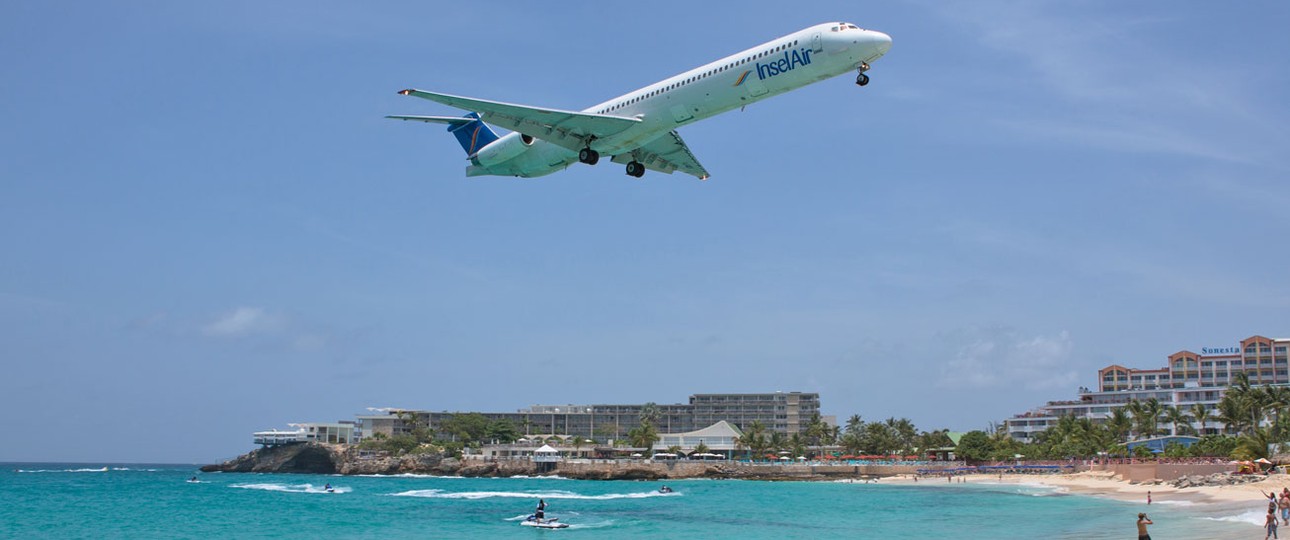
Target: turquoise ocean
51,500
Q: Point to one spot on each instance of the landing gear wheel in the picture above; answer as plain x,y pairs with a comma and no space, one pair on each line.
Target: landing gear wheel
635,169
861,78
588,156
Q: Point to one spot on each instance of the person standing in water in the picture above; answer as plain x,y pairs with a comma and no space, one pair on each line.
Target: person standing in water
1270,523
1143,521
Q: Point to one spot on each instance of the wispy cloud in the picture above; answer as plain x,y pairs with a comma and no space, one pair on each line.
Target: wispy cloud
1144,268
244,321
1112,86
1003,358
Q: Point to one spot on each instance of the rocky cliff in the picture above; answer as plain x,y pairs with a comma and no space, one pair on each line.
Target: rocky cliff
318,458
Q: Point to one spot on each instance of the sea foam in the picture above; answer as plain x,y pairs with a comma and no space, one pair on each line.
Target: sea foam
472,495
103,469
292,488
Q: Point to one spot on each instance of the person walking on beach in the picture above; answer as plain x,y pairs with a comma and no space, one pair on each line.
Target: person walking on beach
1283,504
1142,527
1271,525
1148,497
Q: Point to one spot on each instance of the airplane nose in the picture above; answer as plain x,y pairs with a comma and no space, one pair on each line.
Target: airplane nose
880,41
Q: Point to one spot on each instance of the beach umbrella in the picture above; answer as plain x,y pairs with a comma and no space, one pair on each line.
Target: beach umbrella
801,458
1263,460
636,455
785,458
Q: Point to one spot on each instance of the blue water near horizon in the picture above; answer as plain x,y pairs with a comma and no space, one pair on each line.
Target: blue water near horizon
52,500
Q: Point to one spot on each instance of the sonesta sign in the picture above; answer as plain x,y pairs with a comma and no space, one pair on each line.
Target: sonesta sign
1220,350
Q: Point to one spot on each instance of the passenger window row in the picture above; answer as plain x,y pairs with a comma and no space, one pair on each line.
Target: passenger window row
705,75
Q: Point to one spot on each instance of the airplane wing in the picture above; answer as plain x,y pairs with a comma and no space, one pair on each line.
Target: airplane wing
666,154
569,129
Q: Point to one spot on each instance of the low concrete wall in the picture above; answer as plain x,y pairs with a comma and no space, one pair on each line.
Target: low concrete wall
693,469
1142,472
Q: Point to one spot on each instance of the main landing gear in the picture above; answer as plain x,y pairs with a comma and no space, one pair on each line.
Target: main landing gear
634,168
861,78
588,156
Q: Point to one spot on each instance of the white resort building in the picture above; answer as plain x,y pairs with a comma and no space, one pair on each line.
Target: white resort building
719,438
1187,379
336,433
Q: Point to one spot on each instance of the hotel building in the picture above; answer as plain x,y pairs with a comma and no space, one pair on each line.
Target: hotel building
783,412
1188,378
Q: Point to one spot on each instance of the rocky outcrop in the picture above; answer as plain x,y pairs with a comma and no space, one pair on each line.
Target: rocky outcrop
319,458
312,458
616,473
1221,479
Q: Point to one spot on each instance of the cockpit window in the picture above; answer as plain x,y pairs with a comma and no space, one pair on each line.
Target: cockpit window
852,26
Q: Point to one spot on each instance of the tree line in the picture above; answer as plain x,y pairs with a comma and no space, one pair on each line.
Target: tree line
1252,420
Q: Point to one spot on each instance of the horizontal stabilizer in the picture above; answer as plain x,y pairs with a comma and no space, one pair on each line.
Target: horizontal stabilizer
434,119
571,129
470,131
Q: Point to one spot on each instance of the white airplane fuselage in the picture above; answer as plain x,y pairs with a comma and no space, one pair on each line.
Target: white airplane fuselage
811,55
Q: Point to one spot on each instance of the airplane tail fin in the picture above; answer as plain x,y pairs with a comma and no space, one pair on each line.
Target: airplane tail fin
472,135
471,132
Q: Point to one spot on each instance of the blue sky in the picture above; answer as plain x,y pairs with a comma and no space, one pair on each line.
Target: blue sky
209,229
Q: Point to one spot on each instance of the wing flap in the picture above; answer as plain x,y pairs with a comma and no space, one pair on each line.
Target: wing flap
666,154
570,129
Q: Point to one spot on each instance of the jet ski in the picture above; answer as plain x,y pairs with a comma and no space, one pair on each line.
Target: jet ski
552,523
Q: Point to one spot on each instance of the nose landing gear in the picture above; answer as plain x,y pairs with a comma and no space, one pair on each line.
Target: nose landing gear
861,78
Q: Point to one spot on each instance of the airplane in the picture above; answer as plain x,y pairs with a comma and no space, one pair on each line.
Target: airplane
638,129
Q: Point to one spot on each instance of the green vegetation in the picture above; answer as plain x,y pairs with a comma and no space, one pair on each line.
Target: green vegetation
1254,419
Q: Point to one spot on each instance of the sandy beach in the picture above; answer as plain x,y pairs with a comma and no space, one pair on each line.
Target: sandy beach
1243,503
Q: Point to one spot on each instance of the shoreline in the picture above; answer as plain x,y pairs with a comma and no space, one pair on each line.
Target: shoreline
1238,503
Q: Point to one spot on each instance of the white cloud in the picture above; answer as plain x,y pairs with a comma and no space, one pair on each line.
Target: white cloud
244,321
1003,358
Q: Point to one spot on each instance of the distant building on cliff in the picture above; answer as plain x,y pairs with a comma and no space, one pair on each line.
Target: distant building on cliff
1187,379
782,412
343,432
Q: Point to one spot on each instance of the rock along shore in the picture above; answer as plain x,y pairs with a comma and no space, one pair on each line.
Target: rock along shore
319,458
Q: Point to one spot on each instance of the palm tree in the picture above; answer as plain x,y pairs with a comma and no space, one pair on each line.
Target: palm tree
1275,399
1119,423
1153,408
1137,410
1200,414
643,436
778,441
854,424
753,438
1178,416
816,430
1232,414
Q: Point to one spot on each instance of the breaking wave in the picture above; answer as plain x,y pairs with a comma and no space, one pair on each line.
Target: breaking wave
103,469
472,495
1253,517
292,488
